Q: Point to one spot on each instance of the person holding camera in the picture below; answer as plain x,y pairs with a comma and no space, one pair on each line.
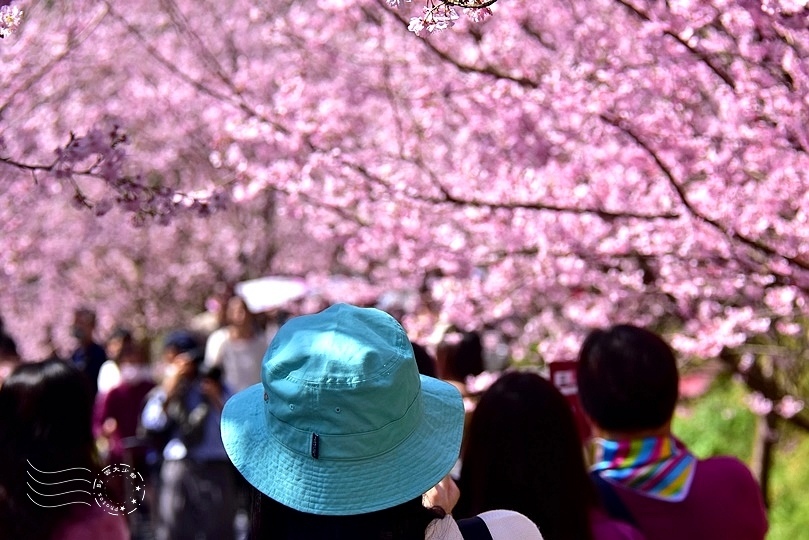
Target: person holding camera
196,493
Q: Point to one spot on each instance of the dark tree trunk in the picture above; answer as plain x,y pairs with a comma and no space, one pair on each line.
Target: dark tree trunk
763,452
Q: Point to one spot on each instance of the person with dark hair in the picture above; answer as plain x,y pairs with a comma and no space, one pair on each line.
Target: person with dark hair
459,355
628,385
424,360
196,494
523,452
88,355
9,357
45,424
344,439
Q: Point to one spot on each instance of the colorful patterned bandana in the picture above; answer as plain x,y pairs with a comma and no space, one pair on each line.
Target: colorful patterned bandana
658,467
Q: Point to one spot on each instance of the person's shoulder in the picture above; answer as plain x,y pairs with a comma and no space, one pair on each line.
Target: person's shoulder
507,524
731,483
723,462
501,524
133,391
214,343
218,335
729,469
108,368
605,527
91,522
731,479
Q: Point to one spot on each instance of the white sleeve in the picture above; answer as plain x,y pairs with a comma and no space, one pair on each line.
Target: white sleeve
509,525
109,376
213,346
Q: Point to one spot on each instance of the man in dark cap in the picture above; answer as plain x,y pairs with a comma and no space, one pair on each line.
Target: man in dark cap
196,498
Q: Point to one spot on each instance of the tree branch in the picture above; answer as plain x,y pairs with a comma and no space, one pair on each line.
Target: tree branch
701,55
464,68
447,198
683,197
236,100
755,380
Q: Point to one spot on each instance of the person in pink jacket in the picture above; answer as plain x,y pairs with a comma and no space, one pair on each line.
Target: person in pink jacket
628,385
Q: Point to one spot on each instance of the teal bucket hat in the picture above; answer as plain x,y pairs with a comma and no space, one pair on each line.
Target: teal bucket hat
342,423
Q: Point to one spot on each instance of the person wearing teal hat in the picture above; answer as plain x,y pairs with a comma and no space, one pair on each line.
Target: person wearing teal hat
343,437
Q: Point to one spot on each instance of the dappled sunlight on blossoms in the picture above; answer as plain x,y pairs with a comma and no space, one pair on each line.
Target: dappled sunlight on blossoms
557,166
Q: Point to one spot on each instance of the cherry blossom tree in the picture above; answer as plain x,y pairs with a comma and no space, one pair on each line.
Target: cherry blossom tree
149,279
555,166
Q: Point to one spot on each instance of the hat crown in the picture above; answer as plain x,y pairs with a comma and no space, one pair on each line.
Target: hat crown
346,375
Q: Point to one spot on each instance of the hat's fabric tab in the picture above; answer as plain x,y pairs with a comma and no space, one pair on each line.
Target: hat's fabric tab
315,446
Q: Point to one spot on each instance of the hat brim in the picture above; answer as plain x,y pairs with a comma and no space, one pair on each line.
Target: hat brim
345,487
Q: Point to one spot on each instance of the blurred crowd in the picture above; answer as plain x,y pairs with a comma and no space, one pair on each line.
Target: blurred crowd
157,405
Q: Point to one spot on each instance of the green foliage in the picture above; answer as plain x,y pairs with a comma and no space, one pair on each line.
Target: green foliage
789,514
720,423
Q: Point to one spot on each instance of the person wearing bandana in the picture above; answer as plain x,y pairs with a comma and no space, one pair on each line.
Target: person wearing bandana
628,385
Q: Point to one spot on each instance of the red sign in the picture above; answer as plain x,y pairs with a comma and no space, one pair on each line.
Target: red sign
563,377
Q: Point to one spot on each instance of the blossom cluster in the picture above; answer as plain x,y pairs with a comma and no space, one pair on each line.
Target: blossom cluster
786,407
10,20
99,154
442,14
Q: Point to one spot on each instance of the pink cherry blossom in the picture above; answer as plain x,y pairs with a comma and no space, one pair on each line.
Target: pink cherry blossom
558,166
477,384
759,404
10,19
789,406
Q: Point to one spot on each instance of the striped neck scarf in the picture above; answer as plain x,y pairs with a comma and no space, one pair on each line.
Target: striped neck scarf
658,467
